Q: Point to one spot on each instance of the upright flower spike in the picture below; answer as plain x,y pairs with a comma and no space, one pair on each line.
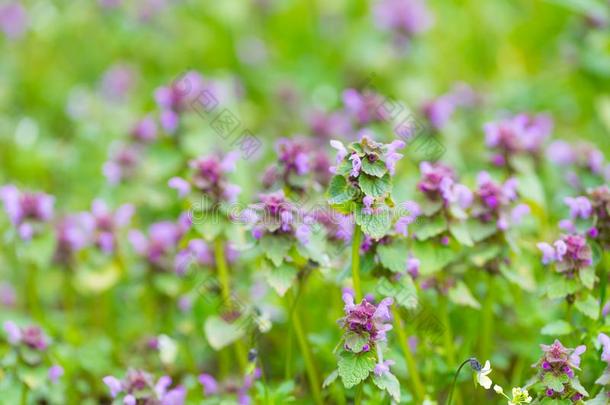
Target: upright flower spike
556,369
27,211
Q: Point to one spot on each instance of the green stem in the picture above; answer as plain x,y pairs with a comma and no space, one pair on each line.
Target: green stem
32,294
359,394
455,377
418,387
312,374
603,282
448,338
24,394
356,262
225,291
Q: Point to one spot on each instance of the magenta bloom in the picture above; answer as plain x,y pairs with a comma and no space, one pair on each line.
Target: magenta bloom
26,210
30,336
145,130
198,252
522,133
162,241
139,386
55,373
364,107
366,318
73,233
107,223
122,163
118,81
13,19
404,17
580,207
495,202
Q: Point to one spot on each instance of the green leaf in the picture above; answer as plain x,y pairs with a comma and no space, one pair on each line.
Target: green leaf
460,232
461,295
403,291
557,328
220,333
208,225
600,399
344,168
281,278
330,379
374,225
355,368
432,257
393,256
559,287
376,168
483,253
340,190
553,382
480,230
587,276
588,306
275,248
389,382
375,186
575,383
427,227
355,342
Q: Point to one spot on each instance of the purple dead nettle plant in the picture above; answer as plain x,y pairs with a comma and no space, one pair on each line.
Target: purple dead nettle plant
301,168
440,110
231,388
28,211
604,379
140,387
522,134
556,373
30,349
585,164
590,215
405,19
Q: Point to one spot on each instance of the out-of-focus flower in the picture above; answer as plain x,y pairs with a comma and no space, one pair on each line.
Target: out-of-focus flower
8,296
118,81
571,252
122,163
198,252
495,202
139,386
364,107
55,373
145,130
210,386
107,223
406,18
162,240
329,125
73,233
209,177
30,336
26,210
13,19
580,207
481,376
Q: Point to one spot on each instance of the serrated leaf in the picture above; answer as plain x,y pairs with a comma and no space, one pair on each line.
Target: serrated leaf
554,382
460,232
588,306
461,295
374,225
355,341
393,256
375,186
340,190
355,368
388,382
220,333
427,227
344,168
557,328
275,248
483,253
281,278
376,168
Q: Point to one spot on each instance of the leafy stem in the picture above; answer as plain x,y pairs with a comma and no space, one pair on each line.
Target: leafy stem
356,262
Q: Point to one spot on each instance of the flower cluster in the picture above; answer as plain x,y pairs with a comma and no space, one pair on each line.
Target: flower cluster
199,252
585,163
177,98
212,388
604,341
404,18
591,212
31,337
439,183
209,177
162,241
571,253
276,215
439,111
520,134
556,371
296,159
494,202
122,162
139,387
27,210
363,107
366,324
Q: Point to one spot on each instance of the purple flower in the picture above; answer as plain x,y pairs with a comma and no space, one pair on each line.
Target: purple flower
522,133
413,267
411,211
383,367
179,184
73,233
55,372
293,155
107,223
580,207
364,107
209,177
8,297
341,152
13,332
439,111
210,386
145,130
117,82
548,252
405,17
356,165
162,241
13,19
604,340
122,163
368,202
26,209
391,156
34,338
366,318
436,179
114,385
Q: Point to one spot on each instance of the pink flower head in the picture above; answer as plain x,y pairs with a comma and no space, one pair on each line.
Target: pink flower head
367,318
13,19
580,207
405,17
26,209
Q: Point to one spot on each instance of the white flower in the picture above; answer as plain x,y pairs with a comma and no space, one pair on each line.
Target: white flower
498,389
482,378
